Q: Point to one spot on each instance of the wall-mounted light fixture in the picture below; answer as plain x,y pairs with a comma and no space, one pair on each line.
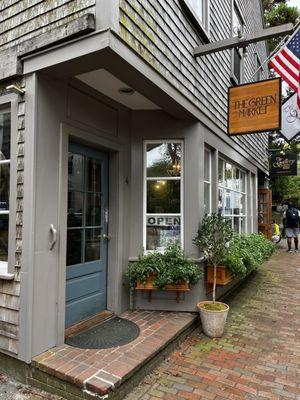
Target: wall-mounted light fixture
15,89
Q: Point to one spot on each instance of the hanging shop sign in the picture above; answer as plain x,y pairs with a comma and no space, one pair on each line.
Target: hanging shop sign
283,165
254,107
290,115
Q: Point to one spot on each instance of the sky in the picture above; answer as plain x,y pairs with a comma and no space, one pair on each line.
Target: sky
294,3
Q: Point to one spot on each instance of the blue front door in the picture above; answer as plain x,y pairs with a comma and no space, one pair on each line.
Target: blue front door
86,233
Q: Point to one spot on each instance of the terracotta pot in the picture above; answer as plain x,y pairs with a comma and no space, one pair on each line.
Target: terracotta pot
213,321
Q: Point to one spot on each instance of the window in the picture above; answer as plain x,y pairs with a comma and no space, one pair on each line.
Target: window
237,54
198,10
232,195
163,194
4,182
207,181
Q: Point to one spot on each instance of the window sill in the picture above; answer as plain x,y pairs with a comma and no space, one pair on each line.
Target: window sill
4,274
195,21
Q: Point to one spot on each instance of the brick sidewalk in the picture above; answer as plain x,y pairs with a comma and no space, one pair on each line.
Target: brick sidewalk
257,358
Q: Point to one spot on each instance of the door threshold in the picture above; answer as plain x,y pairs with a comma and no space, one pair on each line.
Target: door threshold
88,323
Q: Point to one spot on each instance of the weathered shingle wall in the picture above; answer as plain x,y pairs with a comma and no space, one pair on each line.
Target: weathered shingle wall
21,20
163,35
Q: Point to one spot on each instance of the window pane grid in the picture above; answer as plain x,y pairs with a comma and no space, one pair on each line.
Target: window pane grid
232,195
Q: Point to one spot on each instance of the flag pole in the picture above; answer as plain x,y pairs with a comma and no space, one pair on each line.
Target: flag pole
278,47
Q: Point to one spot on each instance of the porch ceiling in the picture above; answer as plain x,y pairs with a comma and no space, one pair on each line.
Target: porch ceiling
107,84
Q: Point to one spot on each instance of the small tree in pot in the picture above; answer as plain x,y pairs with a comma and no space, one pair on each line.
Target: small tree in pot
213,239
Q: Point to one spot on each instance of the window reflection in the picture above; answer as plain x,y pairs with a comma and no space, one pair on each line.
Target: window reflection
163,160
4,186
163,196
231,194
3,237
4,136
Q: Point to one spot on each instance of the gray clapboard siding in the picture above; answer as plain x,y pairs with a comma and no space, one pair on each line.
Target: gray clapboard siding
162,34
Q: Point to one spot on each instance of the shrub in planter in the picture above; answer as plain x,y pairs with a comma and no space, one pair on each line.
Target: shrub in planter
247,252
169,268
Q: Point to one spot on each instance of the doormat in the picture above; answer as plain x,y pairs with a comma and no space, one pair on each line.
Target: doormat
111,333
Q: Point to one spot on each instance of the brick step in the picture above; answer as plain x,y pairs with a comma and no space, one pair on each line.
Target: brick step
74,373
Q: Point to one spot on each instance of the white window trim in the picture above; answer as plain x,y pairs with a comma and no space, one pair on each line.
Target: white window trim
181,178
232,76
209,182
245,216
9,103
202,28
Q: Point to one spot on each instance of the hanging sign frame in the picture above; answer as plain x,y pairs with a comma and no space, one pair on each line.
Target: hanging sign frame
254,107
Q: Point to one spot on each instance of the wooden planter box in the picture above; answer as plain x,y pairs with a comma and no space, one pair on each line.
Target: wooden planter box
149,285
224,275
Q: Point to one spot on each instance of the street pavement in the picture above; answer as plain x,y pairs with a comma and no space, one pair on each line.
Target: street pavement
258,356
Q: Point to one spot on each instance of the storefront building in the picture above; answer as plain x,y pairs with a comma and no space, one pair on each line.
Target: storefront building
113,142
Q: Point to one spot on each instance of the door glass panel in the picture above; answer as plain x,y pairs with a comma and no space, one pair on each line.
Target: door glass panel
75,209
74,245
76,171
93,175
4,187
163,196
93,209
92,244
3,237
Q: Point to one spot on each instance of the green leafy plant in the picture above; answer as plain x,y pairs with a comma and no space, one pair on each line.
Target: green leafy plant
168,268
213,238
247,252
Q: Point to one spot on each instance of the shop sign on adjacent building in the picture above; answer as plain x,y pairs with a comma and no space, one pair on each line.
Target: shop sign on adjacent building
283,165
254,107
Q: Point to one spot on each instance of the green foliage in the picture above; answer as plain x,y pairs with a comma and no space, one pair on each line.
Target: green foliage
169,268
277,12
213,238
247,252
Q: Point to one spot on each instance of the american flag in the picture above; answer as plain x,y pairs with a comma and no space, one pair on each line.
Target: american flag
287,64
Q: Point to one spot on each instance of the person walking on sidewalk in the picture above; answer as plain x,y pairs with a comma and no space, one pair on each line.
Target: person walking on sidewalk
291,219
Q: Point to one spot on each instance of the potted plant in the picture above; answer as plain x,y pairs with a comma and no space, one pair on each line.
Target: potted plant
213,238
168,270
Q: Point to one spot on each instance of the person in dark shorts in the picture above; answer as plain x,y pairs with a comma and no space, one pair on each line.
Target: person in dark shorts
291,219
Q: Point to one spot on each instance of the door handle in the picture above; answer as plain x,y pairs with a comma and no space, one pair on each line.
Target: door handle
53,234
104,236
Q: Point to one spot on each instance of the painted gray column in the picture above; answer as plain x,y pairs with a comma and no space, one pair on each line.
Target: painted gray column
26,276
